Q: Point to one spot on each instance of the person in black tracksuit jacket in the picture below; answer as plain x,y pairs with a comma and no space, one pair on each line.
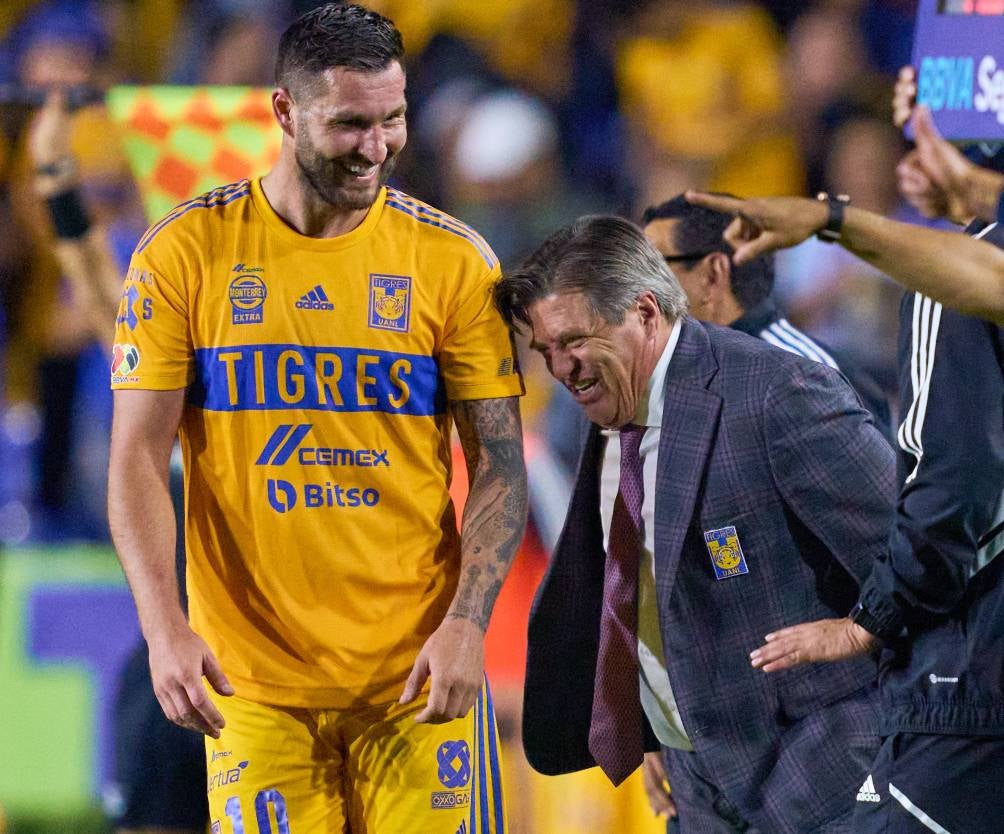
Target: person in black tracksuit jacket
941,767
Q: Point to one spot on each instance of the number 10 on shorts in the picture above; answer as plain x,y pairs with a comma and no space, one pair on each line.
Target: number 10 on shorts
262,801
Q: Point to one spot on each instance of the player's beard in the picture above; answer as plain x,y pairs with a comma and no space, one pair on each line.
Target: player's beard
334,184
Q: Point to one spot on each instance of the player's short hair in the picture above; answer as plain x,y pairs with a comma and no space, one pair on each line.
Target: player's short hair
700,230
604,257
335,35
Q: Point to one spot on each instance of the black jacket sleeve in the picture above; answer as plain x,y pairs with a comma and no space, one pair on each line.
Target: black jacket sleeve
951,464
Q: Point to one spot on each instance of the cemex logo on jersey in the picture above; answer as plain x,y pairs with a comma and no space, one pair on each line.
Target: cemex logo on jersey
287,438
316,299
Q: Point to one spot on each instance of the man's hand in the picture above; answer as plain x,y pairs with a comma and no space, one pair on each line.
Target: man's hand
817,642
935,177
765,224
454,657
939,181
178,662
904,96
657,786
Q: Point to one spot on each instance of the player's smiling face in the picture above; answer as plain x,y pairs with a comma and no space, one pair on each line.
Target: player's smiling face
605,366
350,127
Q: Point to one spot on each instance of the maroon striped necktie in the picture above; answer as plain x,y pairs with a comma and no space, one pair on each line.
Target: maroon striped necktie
615,733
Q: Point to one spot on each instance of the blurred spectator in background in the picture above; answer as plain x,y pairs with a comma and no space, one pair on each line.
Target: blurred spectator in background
827,291
828,79
227,42
701,89
524,41
160,768
54,356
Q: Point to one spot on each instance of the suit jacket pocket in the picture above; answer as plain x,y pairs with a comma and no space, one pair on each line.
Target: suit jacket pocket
817,685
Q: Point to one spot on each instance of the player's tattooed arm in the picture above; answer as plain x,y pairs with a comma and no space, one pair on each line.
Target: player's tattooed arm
495,514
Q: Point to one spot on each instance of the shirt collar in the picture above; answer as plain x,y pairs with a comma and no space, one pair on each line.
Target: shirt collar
650,408
757,318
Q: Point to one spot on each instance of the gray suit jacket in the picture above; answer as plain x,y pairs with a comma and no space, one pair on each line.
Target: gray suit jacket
778,447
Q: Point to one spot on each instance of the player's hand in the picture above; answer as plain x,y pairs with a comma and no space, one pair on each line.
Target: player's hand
935,176
816,642
904,96
657,786
178,662
764,224
454,658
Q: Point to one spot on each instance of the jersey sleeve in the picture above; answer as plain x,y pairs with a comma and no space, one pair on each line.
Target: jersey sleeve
478,355
153,344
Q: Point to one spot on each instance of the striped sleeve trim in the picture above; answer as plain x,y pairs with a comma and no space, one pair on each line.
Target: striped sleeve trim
923,345
784,335
924,341
211,199
426,214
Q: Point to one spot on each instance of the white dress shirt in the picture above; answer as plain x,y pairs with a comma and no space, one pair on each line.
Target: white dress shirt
656,692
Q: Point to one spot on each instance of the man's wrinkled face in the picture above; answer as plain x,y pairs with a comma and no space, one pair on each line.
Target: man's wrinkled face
349,128
605,366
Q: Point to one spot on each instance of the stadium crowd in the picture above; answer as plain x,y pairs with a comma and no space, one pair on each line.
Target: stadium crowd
523,116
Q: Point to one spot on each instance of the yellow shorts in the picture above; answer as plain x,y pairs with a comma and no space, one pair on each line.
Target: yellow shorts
276,770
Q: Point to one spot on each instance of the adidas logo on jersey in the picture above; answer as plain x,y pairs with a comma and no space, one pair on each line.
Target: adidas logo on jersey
316,299
867,791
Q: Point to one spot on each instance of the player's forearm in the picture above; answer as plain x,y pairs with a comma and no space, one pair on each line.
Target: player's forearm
495,514
141,517
962,273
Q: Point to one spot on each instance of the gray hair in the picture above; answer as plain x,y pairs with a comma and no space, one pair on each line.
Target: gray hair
605,258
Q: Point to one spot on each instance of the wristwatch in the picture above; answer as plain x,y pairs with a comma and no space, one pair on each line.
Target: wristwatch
830,233
63,166
859,615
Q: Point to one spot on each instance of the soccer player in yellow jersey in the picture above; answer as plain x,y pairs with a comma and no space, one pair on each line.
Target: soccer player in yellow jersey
312,334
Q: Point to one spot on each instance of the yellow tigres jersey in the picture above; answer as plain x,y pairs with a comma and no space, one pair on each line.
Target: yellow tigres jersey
322,543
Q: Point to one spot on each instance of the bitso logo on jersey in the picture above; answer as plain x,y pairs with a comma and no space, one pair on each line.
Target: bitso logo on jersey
125,360
726,553
390,302
247,298
316,299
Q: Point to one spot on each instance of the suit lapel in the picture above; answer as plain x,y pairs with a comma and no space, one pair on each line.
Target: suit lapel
689,424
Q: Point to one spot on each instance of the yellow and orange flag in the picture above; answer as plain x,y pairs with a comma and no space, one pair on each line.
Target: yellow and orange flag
183,141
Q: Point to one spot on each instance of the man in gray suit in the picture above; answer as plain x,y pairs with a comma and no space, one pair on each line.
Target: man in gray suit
725,489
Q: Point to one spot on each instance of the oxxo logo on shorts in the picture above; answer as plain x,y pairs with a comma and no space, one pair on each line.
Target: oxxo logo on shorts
453,759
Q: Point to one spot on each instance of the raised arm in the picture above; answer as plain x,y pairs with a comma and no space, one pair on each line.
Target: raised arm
961,272
82,249
491,531
142,522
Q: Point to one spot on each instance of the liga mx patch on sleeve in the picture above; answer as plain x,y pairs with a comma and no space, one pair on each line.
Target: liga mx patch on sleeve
726,553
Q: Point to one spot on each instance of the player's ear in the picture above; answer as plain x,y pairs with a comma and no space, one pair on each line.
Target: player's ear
282,107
